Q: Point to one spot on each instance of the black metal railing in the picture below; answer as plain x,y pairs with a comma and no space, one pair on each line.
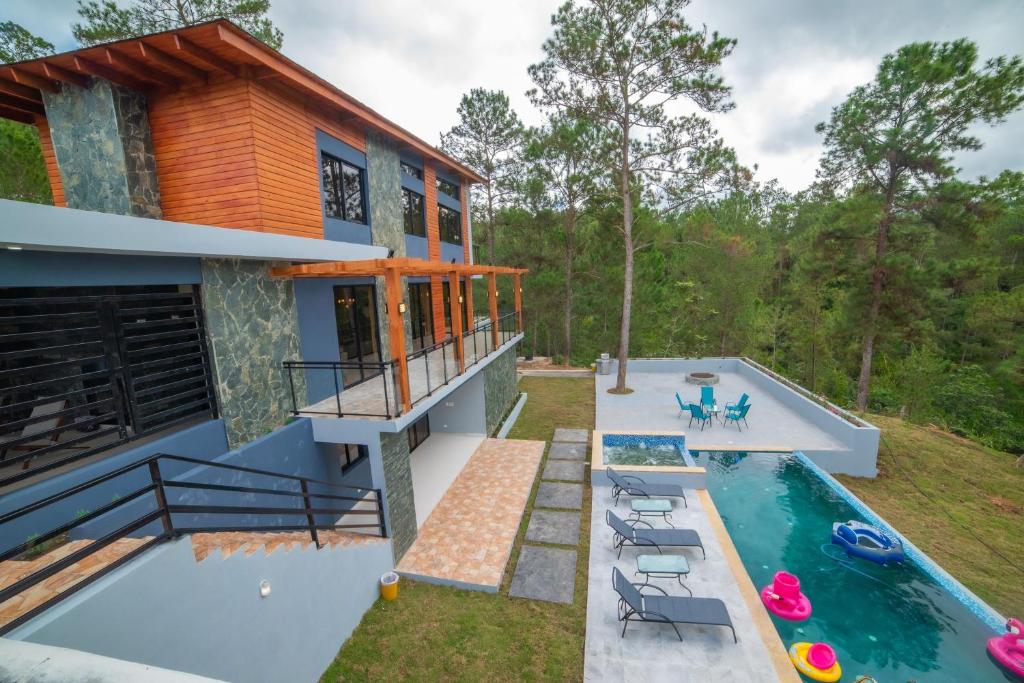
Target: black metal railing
431,368
478,342
376,383
508,327
85,371
153,510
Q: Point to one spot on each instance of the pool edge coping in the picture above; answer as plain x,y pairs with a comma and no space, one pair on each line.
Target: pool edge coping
777,652
597,463
981,609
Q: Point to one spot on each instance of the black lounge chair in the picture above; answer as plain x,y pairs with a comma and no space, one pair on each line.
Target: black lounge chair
650,537
667,609
635,486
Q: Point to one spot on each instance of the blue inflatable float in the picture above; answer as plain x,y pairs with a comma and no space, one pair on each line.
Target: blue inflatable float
867,542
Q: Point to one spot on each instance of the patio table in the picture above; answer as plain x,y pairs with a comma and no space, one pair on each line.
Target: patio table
663,567
652,507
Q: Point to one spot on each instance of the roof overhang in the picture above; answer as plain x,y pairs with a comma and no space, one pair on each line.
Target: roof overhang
186,57
48,228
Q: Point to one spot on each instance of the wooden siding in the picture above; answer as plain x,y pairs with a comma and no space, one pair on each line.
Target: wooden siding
50,158
433,246
464,199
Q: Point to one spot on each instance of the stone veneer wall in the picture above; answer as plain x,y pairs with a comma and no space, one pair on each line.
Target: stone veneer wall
394,448
104,150
384,187
251,325
500,388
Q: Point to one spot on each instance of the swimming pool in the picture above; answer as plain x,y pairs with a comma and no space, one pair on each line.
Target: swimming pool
893,623
645,449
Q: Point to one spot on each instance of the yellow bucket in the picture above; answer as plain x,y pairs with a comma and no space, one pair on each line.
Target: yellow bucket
389,586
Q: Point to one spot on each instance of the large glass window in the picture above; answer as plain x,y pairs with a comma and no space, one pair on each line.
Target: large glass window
421,315
448,187
412,212
418,432
350,455
355,311
343,190
409,169
449,223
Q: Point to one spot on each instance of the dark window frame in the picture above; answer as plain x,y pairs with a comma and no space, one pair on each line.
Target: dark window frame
449,232
418,431
345,457
334,191
412,226
443,185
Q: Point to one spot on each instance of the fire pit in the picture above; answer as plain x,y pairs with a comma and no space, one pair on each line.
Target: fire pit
703,378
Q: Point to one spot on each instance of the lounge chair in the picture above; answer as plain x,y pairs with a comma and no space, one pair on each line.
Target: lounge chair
667,609
697,412
737,414
635,486
650,537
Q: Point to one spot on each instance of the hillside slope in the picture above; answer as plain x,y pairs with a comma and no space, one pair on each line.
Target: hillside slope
944,493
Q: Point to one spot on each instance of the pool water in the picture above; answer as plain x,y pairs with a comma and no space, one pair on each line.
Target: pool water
628,449
893,623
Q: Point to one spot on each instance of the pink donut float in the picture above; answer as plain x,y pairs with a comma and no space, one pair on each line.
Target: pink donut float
1008,649
784,599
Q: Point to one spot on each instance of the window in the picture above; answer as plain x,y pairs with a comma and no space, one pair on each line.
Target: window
449,222
355,312
343,190
421,315
409,169
418,432
412,213
350,455
448,187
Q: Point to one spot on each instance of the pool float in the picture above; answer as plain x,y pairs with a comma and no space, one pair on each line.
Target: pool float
1008,649
867,542
817,661
784,599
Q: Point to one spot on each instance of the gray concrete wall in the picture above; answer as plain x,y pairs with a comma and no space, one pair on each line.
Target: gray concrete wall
461,411
251,325
207,618
104,151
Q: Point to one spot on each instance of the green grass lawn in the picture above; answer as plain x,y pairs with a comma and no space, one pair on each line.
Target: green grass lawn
439,633
925,474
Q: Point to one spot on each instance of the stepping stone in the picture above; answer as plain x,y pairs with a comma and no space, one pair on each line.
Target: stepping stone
545,574
572,435
564,470
567,451
547,526
565,496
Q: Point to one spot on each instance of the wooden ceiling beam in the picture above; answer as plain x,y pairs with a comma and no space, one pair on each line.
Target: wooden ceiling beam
16,115
87,66
173,64
32,81
123,62
201,53
20,91
59,73
21,105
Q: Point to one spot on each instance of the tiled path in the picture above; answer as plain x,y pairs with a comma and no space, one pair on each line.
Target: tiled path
548,571
468,537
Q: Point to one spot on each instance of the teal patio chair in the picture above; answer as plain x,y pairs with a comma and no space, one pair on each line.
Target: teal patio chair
682,406
739,404
707,396
698,413
737,414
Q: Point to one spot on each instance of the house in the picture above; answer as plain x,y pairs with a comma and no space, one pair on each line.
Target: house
254,295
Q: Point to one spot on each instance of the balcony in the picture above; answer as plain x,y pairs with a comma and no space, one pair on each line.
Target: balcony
386,390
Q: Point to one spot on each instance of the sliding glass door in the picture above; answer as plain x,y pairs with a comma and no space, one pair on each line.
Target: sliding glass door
421,315
355,308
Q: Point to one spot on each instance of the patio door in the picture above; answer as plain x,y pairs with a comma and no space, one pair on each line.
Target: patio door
421,315
355,309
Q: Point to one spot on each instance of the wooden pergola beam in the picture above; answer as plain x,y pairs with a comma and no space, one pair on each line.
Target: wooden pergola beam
396,333
87,66
21,105
455,304
18,90
123,62
59,73
16,115
492,300
192,74
406,266
517,292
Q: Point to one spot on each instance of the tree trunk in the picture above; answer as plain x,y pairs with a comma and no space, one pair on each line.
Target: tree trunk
570,227
490,225
627,277
877,287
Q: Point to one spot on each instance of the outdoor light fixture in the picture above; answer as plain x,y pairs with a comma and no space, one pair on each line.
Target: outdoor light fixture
264,588
401,307
460,298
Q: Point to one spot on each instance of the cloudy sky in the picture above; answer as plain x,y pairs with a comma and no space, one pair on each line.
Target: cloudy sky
794,61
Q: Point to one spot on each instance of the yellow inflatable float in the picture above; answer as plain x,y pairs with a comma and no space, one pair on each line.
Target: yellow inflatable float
817,661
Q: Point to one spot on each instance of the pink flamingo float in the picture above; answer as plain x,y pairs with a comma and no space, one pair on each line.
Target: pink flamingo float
1008,649
784,599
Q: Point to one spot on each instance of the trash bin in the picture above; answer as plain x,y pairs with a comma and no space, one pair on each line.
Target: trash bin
389,586
604,365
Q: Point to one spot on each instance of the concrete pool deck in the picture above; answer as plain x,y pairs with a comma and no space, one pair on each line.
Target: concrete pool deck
652,407
652,652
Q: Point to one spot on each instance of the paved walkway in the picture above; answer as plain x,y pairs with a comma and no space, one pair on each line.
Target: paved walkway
547,563
652,652
468,537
